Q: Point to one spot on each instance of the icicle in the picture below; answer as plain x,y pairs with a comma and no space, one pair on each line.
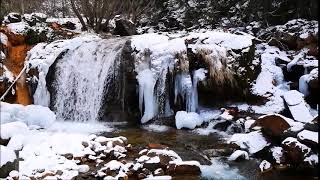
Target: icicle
42,96
146,95
198,75
303,84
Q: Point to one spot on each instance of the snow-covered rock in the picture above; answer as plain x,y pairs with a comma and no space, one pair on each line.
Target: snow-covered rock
270,82
297,106
238,155
295,151
277,154
18,28
313,159
187,120
308,137
7,155
11,129
252,142
265,166
83,168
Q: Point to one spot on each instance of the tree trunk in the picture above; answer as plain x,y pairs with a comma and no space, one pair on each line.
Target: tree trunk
75,10
22,6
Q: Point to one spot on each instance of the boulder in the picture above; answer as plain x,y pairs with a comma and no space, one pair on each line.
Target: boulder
272,125
295,151
297,106
184,168
152,164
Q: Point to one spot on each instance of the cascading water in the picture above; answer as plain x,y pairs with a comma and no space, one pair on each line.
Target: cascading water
81,79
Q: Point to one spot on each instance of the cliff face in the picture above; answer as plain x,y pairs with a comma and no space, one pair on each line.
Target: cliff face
15,50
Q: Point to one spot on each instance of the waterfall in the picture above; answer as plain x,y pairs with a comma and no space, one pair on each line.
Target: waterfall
81,79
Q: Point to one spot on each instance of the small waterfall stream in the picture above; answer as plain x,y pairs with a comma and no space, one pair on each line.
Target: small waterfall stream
81,79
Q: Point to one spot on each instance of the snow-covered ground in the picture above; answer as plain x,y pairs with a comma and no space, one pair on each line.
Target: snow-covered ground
42,141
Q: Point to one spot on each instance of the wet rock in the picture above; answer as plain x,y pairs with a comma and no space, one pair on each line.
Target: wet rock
59,172
281,167
8,167
85,144
68,156
14,17
294,150
158,172
146,171
225,150
46,174
184,168
152,164
272,125
69,25
223,125
315,120
124,27
164,160
312,126
141,176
